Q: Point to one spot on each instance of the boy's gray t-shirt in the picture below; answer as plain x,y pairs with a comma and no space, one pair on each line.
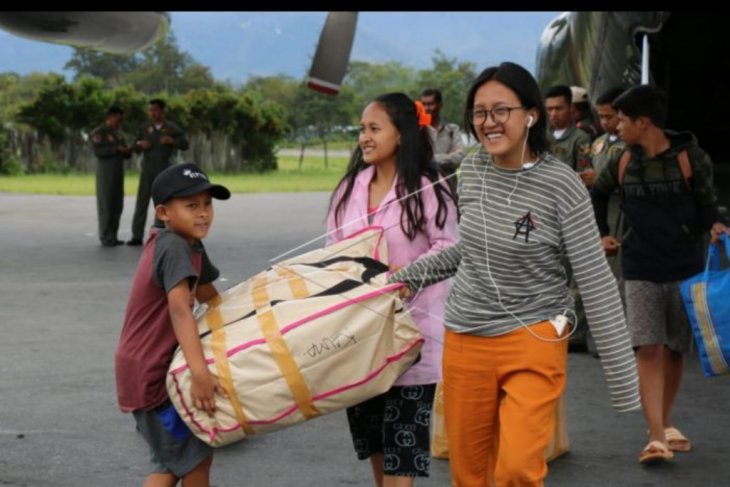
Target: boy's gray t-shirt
173,261
148,341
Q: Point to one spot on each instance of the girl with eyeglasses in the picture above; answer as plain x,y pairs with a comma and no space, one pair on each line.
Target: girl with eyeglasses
505,350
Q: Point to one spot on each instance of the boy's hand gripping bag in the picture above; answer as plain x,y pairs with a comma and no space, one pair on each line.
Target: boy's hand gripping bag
707,301
309,336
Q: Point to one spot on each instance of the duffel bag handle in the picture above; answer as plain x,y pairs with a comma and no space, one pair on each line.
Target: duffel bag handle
713,254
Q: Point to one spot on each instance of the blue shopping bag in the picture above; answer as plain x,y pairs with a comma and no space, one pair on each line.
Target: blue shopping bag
707,301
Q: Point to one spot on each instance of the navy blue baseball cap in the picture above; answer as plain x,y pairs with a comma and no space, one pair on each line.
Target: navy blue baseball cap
184,180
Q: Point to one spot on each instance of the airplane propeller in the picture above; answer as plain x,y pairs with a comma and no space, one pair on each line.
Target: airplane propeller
126,32
333,52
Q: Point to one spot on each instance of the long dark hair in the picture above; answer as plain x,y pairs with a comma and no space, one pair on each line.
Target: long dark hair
413,160
519,80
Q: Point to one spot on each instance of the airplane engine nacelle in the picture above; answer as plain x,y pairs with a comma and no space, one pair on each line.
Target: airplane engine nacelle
113,32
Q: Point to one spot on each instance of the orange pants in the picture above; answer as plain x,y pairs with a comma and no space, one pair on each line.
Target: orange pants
499,397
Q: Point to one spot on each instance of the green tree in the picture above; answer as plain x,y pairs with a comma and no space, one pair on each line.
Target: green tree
281,89
112,68
16,90
162,67
48,112
368,80
316,115
195,76
10,84
259,125
63,112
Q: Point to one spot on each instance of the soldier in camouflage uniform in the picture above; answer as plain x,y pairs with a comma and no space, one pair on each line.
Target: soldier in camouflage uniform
606,151
609,146
110,149
567,143
158,140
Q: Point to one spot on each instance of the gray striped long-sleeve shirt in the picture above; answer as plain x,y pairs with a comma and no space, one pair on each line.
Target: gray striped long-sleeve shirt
516,227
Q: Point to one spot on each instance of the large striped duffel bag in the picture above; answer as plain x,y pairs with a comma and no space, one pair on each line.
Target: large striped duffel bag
309,336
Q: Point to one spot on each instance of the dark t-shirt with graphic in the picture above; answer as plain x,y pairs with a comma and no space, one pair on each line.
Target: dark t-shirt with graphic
665,215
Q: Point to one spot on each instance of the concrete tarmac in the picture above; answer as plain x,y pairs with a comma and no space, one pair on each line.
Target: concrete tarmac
62,300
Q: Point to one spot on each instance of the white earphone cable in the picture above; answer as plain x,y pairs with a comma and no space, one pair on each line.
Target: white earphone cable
483,200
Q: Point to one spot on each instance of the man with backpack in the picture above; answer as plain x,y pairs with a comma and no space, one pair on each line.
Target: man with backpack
665,181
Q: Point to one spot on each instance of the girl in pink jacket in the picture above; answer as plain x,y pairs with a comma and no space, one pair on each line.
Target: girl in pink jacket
392,183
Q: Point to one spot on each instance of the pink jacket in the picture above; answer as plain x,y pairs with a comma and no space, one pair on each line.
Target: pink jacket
428,306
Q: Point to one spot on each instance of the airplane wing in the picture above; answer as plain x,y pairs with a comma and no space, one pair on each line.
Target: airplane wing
113,32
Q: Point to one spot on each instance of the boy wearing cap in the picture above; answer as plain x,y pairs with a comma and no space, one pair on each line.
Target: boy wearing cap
173,271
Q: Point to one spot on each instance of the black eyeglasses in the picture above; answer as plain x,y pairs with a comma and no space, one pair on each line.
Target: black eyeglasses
499,115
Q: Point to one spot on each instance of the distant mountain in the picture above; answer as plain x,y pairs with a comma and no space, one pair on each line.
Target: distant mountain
236,45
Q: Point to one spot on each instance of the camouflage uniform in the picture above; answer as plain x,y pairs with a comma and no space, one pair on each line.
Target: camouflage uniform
154,161
607,152
109,181
604,150
448,151
573,148
588,126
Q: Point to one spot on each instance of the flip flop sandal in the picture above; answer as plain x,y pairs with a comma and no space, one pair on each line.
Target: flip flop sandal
655,452
676,441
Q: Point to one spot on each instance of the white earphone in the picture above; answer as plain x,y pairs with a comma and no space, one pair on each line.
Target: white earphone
530,119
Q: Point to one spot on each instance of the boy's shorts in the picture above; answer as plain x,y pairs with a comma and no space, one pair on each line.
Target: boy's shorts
396,424
655,315
174,448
